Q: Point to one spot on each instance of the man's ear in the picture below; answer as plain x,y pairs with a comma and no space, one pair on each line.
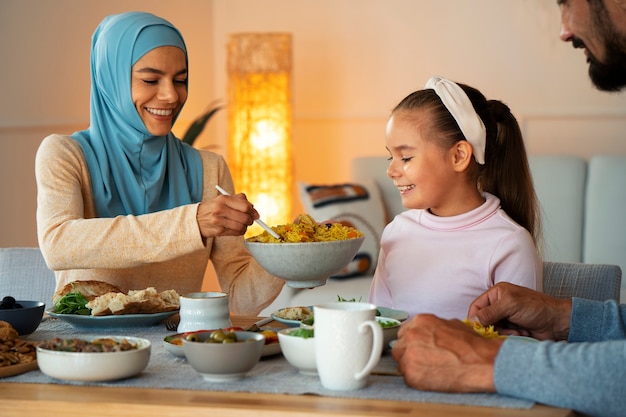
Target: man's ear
462,155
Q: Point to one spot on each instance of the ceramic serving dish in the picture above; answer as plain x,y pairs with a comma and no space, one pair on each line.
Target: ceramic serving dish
305,265
298,351
95,366
174,344
26,319
222,362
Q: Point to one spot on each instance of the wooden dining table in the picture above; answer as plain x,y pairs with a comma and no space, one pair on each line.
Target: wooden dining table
35,399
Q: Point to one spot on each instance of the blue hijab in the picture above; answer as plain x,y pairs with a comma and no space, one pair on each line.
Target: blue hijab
133,172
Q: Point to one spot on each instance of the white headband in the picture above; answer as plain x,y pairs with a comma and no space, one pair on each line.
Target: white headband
460,107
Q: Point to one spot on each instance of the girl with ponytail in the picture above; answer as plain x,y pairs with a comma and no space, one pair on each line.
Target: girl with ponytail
459,163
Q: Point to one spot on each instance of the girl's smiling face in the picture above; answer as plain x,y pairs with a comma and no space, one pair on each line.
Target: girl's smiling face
159,87
422,170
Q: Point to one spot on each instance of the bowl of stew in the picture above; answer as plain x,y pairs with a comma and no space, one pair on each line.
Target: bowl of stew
93,359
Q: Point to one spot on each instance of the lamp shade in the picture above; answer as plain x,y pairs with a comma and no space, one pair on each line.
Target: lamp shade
259,122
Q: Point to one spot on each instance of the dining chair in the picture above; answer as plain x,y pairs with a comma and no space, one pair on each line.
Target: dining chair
598,282
24,275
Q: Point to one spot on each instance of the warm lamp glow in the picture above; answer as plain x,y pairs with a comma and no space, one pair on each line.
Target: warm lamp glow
259,123
265,134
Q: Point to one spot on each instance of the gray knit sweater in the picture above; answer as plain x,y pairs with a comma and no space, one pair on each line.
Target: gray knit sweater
586,374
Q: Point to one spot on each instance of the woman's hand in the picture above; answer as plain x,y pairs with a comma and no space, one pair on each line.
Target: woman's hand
519,310
225,216
445,355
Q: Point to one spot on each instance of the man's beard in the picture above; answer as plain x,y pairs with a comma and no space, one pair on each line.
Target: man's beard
609,75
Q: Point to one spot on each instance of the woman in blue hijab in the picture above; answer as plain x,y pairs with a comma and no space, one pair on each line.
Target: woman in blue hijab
125,201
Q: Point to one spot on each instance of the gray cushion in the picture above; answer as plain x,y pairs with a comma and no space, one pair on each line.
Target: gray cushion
25,275
594,282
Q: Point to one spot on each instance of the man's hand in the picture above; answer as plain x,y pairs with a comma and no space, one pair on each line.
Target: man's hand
518,310
445,355
225,216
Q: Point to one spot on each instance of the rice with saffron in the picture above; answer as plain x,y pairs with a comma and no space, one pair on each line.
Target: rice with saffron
488,332
306,229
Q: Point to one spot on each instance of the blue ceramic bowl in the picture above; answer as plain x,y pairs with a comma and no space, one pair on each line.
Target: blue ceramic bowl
24,320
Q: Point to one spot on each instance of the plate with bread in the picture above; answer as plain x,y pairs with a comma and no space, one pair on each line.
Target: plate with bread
97,304
122,320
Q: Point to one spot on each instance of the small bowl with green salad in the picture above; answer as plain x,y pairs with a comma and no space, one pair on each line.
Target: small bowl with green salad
298,347
390,329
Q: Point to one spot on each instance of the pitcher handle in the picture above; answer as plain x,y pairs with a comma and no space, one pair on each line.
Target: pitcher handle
377,347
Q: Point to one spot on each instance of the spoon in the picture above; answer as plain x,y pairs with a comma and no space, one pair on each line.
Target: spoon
258,221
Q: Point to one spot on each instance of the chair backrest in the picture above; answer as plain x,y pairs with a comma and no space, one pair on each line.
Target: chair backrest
25,275
599,282
605,230
560,186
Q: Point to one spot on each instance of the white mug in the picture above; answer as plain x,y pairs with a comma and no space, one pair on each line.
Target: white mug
348,344
204,311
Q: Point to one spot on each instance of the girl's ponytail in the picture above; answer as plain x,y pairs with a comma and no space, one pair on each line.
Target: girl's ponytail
506,172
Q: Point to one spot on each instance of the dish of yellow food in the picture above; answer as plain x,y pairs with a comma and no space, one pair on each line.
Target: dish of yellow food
488,332
306,229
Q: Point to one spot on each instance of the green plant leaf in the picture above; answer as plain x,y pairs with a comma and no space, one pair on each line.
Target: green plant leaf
197,126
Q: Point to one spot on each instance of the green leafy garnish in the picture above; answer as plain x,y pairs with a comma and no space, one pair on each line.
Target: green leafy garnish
386,323
72,303
353,300
302,332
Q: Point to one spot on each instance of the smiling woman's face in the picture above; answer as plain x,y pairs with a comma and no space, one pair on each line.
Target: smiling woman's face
159,87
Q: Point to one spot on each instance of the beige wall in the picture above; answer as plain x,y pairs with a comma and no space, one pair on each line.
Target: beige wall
353,61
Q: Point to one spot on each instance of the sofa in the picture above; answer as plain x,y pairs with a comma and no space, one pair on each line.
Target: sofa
582,206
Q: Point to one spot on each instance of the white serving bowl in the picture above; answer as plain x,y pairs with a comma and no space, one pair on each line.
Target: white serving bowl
95,366
305,265
299,351
390,332
222,362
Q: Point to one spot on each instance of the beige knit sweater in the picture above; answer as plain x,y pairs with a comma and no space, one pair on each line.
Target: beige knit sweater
163,250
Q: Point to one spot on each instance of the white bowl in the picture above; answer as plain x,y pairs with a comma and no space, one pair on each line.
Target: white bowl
389,332
299,351
305,265
221,362
174,345
95,366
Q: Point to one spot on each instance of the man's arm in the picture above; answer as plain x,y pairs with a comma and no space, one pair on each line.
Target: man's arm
586,377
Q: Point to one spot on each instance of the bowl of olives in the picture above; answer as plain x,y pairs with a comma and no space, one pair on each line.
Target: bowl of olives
23,316
223,355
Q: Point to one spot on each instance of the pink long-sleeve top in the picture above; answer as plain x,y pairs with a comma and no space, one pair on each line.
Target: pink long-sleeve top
439,265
